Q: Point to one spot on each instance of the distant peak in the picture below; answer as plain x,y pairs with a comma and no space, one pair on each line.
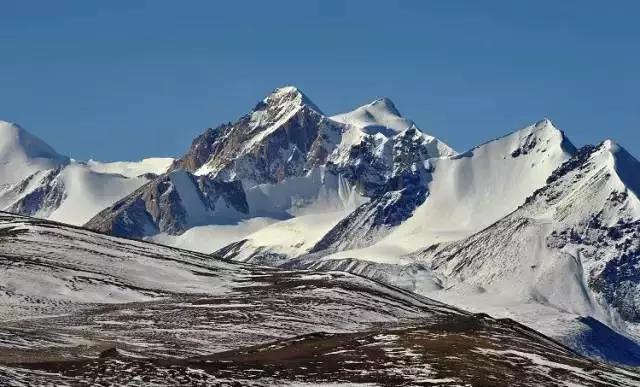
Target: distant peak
286,90
15,140
9,127
290,95
544,128
623,163
386,105
22,153
611,146
380,113
545,122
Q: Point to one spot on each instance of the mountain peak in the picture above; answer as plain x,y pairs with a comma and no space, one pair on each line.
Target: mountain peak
612,146
545,123
385,104
15,141
22,153
287,89
381,113
545,132
290,95
622,162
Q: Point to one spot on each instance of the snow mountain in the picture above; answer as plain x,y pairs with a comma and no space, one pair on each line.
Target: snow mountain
36,180
284,159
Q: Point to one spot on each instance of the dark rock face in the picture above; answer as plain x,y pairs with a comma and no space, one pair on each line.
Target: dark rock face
619,283
363,169
396,192
283,136
201,149
158,206
372,220
230,192
577,161
44,199
374,175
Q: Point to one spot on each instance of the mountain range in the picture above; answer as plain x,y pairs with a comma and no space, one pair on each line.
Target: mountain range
526,226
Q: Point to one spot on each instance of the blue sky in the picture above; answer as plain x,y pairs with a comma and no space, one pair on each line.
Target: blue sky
131,79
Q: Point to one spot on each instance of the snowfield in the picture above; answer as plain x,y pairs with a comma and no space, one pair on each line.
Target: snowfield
154,165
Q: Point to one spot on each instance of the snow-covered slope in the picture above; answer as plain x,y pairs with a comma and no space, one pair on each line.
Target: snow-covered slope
470,191
36,180
78,307
574,243
154,165
524,226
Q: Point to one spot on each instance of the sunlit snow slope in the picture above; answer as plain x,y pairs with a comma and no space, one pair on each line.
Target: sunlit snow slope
36,180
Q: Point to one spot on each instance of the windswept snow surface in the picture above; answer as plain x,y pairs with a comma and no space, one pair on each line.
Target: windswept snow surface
380,115
289,217
154,165
88,192
315,192
205,239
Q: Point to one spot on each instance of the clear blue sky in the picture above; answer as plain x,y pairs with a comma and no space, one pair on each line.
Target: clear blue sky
130,79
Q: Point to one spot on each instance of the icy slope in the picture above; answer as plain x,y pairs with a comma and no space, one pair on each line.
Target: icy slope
37,181
87,192
80,307
379,115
